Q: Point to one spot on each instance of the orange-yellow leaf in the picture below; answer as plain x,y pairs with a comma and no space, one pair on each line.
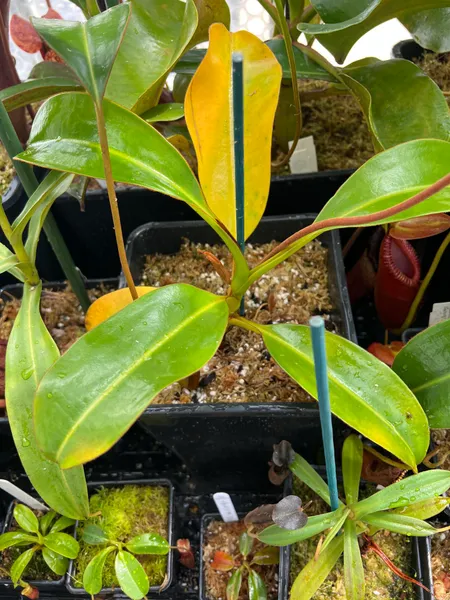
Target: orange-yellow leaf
208,113
108,305
222,561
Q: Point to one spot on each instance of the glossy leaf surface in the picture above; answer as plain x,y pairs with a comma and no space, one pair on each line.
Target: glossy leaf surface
26,518
426,509
16,538
400,524
306,67
352,460
209,12
62,543
89,47
353,565
157,34
57,563
30,352
276,536
164,112
306,473
256,587
8,262
61,524
420,227
46,521
335,529
234,585
108,305
423,364
245,544
20,564
148,543
364,392
93,534
208,113
163,337
93,575
429,28
269,555
222,561
35,90
132,578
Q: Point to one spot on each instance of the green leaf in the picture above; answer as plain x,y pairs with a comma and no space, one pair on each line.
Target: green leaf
148,543
311,577
93,574
364,392
430,28
397,91
306,473
345,23
62,543
61,524
158,33
353,566
46,69
26,518
35,90
164,112
352,459
93,534
400,524
131,576
256,586
46,521
57,563
410,490
335,529
8,260
30,352
16,538
305,66
172,333
234,585
426,509
245,544
423,364
276,536
269,555
20,564
89,47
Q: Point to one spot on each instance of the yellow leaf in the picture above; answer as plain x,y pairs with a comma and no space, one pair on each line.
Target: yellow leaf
108,305
208,113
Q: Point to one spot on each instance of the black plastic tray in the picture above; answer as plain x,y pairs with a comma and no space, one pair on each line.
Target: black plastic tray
221,444
155,591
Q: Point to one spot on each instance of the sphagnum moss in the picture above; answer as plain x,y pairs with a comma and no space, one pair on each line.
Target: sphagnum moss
122,514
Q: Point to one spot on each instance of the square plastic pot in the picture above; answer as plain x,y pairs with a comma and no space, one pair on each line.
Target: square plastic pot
222,444
155,591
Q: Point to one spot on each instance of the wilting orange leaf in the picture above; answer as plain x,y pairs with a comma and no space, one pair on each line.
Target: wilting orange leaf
208,113
420,227
24,35
385,352
108,305
222,561
51,14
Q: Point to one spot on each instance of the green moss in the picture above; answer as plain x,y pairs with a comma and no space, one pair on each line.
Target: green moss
381,582
124,513
7,171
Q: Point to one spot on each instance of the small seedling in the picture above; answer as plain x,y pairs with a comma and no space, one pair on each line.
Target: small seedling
43,535
242,566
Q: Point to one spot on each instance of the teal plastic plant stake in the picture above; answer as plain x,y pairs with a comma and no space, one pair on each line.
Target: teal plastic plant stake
320,368
238,130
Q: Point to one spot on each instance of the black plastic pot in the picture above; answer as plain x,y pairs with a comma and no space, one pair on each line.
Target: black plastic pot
206,520
409,50
222,444
54,587
155,591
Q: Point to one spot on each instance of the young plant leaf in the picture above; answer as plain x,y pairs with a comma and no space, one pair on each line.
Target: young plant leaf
222,561
89,47
245,544
426,509
36,90
416,488
420,227
352,460
93,575
62,543
234,585
61,524
311,577
210,124
256,586
288,513
353,565
20,564
26,518
131,576
335,530
423,366
366,394
148,543
46,521
93,534
108,305
175,331
164,112
306,473
16,538
400,524
57,563
8,262
269,555
276,536
31,351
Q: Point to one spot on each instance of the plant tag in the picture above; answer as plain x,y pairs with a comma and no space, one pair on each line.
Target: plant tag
439,312
304,159
22,496
226,507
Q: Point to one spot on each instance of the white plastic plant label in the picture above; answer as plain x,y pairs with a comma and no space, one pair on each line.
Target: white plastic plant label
439,312
226,507
304,159
22,496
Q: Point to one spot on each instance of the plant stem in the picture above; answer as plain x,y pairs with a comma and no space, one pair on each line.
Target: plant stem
270,8
103,138
425,283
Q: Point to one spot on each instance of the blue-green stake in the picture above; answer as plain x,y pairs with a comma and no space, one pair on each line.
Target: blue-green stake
320,367
238,131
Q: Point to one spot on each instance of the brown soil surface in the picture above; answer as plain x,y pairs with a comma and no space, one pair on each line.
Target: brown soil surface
225,537
242,369
440,564
437,66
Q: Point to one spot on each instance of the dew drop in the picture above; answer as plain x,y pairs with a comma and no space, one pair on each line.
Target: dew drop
27,373
25,442
49,395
